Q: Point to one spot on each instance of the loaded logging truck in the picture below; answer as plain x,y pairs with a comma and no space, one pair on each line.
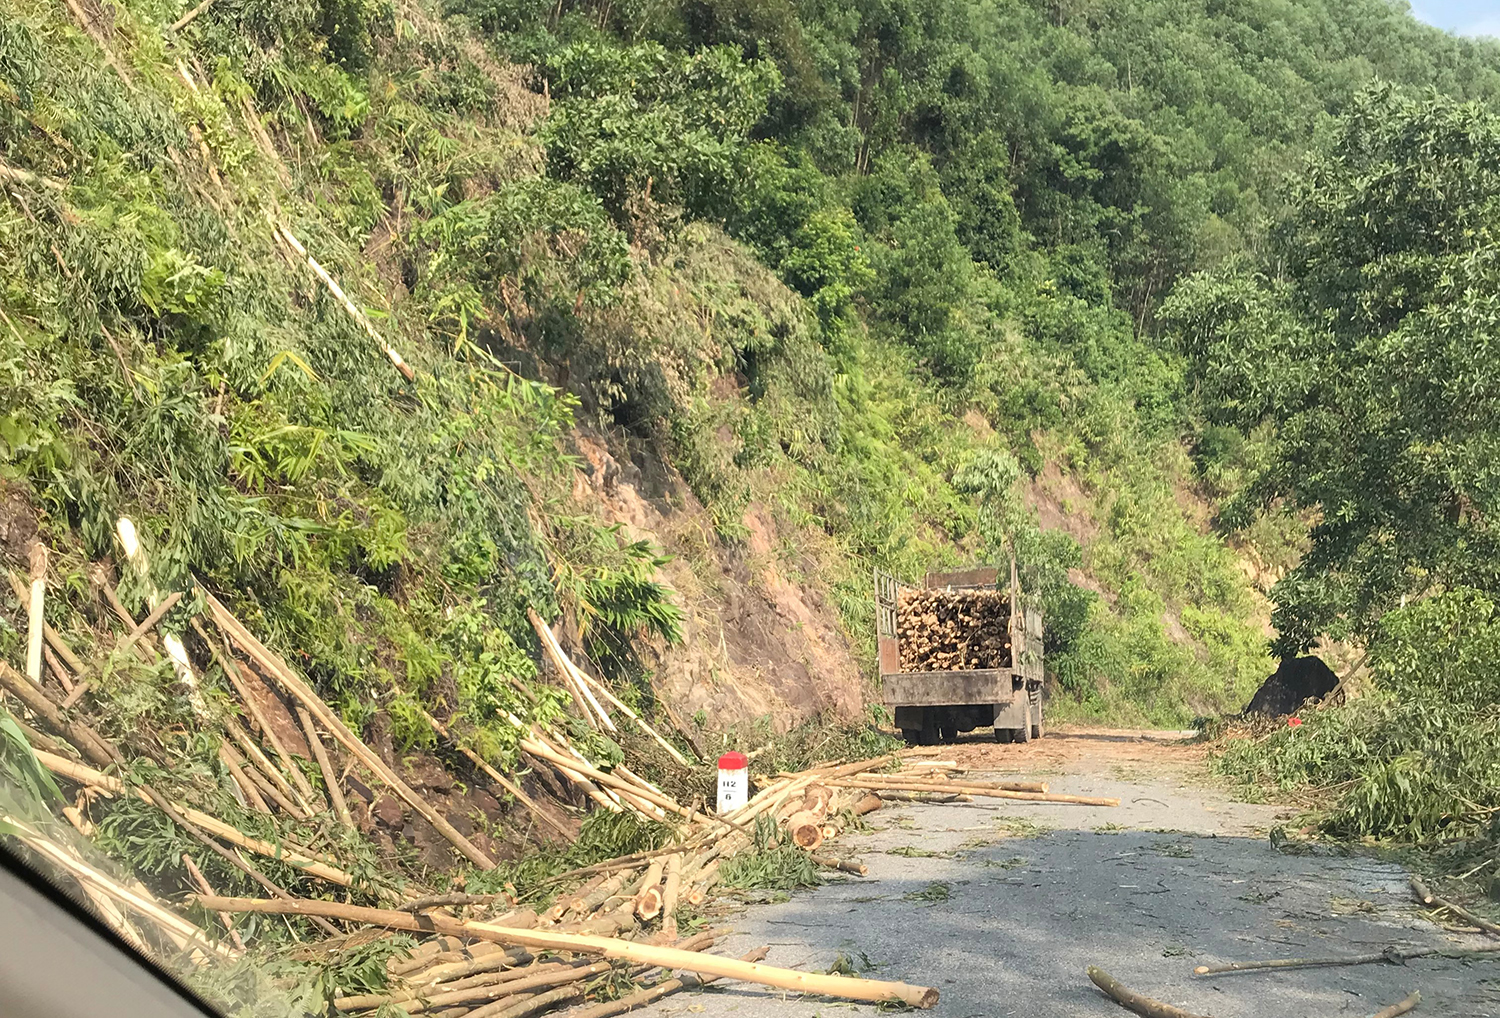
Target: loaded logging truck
962,651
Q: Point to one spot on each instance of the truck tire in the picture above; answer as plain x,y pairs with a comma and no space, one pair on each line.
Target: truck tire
948,733
911,736
1003,734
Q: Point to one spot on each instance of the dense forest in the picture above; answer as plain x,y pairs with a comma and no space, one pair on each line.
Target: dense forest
1190,304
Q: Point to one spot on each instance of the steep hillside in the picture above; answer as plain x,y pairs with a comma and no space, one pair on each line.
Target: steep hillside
670,323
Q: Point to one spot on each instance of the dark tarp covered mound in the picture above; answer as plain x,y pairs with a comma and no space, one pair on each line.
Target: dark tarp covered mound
1294,681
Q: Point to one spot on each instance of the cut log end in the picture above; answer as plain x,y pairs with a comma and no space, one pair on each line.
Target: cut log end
648,904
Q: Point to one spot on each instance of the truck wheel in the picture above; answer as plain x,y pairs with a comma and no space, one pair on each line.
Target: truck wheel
948,733
1036,730
1023,734
927,737
1002,734
910,735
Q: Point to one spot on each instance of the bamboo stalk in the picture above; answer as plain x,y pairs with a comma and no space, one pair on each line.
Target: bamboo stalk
320,868
1132,1001
618,784
201,882
53,638
427,997
497,959
267,730
1400,1007
35,603
60,670
242,781
349,306
505,783
144,648
188,18
914,784
135,556
286,796
523,1004
671,888
330,776
871,990
991,793
827,861
641,722
81,736
299,689
549,645
648,996
149,622
648,900
177,928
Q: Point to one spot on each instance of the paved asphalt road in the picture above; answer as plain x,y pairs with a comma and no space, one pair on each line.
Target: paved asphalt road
1002,905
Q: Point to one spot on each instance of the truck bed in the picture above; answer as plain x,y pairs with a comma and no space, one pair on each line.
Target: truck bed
934,689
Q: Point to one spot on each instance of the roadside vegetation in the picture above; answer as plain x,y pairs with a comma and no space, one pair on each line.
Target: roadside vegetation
1143,292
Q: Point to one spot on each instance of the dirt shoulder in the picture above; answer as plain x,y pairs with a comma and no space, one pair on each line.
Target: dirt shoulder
1002,905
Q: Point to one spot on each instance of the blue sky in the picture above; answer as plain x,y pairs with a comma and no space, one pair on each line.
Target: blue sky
1466,17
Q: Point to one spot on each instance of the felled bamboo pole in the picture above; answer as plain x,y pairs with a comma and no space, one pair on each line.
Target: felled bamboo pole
64,677
187,19
330,776
149,622
286,796
145,648
935,784
249,794
320,868
349,306
135,556
671,888
204,887
560,662
293,684
641,722
81,736
35,603
500,779
991,793
1401,1006
648,901
513,958
53,638
522,1005
640,999
181,932
618,784
872,990
268,732
843,865
1132,1001
517,981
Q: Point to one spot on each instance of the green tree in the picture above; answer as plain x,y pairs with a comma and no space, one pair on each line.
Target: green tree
1374,358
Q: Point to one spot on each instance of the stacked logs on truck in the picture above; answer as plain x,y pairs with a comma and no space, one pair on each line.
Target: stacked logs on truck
953,630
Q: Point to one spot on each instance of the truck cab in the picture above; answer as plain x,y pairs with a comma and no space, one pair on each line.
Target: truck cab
958,652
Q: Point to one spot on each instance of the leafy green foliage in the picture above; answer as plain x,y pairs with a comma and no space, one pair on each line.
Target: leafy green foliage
772,865
1414,760
1368,357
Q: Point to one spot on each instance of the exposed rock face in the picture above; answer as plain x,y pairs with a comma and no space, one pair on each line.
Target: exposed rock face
761,636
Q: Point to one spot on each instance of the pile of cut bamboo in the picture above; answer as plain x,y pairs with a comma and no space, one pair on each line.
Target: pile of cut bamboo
612,934
953,630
